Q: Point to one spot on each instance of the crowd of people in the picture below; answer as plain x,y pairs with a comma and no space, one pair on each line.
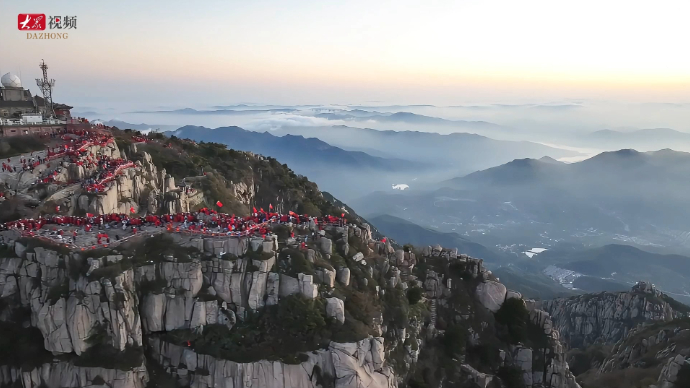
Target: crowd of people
76,150
108,169
204,222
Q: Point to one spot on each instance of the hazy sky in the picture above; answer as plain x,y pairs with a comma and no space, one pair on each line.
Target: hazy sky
356,51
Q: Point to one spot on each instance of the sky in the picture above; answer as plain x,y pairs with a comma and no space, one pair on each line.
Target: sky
161,53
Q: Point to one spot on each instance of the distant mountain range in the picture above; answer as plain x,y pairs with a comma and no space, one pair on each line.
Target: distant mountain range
406,232
139,127
618,266
190,111
458,152
346,173
643,140
405,117
531,284
624,196
294,150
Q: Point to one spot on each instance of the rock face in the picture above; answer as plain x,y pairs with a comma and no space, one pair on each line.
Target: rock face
491,294
335,308
669,373
142,187
555,371
605,317
351,365
226,283
65,375
66,310
648,346
343,276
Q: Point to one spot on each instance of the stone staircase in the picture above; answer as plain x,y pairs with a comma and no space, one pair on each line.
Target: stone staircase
433,313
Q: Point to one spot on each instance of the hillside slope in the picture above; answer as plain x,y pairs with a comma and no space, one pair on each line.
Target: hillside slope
137,275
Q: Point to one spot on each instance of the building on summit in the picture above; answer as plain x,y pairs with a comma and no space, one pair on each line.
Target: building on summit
22,113
14,99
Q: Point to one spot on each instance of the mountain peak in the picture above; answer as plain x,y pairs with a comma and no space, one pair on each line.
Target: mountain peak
548,159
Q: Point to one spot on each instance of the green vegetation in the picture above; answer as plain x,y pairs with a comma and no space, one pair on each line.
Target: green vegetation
396,309
58,291
676,305
512,318
156,248
511,376
217,167
259,254
106,356
683,377
282,231
101,352
17,145
297,262
414,294
22,347
281,332
361,307
580,361
455,340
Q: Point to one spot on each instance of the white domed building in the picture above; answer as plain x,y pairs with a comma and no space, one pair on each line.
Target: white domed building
14,99
22,113
11,80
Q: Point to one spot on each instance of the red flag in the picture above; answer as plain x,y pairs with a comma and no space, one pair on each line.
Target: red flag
262,210
383,240
89,215
270,206
220,204
131,209
342,215
254,209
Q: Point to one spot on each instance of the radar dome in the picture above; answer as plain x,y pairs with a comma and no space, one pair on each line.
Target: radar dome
11,80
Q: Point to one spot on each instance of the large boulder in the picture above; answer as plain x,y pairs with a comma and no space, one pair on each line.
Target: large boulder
306,286
288,286
326,245
344,276
325,276
491,294
335,308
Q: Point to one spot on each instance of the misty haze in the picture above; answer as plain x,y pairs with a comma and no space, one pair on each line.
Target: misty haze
358,194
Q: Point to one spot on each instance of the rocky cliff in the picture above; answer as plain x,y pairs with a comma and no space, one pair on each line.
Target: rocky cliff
337,313
607,317
301,305
651,355
493,335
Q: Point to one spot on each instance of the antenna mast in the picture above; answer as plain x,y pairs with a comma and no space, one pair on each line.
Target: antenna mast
46,87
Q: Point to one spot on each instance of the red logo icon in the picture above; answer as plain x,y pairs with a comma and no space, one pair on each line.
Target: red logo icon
31,21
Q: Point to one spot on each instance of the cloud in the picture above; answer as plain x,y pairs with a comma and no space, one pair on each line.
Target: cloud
277,121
